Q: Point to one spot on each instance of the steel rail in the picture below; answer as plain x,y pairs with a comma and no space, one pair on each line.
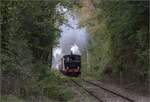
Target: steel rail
100,100
131,100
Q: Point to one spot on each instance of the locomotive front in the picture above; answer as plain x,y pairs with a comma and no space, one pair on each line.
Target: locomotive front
71,65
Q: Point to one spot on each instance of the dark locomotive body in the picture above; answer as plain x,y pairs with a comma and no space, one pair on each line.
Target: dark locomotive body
70,65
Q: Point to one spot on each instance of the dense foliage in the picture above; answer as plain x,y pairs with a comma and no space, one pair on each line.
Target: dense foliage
118,43
119,37
29,32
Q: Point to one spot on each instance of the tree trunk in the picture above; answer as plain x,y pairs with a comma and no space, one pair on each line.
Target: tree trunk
50,56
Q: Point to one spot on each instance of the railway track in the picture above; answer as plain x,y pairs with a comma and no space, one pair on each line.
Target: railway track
88,91
102,90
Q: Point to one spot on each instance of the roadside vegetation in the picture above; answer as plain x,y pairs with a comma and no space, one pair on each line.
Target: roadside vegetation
118,39
29,32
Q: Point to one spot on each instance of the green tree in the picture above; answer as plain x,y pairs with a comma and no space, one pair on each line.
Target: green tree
118,37
29,32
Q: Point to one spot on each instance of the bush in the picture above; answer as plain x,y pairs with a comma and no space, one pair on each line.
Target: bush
54,87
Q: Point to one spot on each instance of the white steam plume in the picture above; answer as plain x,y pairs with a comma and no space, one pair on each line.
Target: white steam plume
75,49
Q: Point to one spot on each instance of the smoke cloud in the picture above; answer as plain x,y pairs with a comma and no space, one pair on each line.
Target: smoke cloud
75,49
72,35
72,38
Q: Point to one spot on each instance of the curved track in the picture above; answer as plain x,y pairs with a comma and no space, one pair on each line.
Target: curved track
104,90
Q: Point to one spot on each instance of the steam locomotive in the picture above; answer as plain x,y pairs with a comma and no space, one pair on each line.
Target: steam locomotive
70,65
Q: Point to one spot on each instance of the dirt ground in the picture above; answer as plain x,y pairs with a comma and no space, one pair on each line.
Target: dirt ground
133,91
